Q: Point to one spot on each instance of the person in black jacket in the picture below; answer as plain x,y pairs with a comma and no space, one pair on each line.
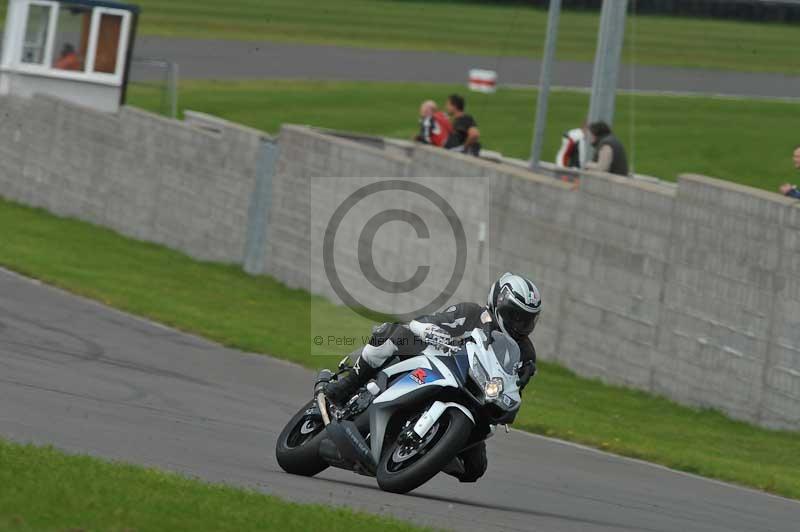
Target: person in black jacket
513,307
466,136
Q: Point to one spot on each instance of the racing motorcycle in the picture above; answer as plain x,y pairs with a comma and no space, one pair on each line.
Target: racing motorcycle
413,420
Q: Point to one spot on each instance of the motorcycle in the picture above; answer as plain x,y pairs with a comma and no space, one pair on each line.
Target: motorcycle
414,419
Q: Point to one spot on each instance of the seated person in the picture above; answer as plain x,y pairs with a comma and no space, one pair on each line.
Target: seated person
610,155
465,136
572,153
68,60
434,126
791,190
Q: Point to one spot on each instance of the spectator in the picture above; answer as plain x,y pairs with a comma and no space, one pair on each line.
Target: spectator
572,153
434,126
791,190
465,136
609,153
68,60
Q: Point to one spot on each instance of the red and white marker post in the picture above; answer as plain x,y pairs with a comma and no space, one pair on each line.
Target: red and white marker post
482,80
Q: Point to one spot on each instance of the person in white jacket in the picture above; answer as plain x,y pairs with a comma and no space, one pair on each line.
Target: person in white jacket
573,152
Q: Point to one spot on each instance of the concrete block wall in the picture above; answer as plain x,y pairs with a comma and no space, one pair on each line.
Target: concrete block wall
307,154
780,399
527,212
616,261
690,292
728,336
143,175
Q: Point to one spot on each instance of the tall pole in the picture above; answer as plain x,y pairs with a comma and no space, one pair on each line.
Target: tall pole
545,77
607,60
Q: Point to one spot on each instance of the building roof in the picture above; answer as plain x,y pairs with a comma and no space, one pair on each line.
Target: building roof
103,3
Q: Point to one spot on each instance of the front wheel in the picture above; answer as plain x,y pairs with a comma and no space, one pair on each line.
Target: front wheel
297,448
404,468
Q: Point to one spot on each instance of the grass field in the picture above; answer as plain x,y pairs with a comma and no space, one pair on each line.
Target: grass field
261,315
478,29
747,141
43,489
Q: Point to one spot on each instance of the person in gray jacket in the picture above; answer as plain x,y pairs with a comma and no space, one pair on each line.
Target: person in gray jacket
609,153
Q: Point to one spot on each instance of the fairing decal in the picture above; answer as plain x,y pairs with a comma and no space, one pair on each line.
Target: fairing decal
413,380
408,365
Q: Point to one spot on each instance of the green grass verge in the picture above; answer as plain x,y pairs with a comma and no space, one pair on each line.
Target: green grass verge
43,489
476,29
746,141
261,315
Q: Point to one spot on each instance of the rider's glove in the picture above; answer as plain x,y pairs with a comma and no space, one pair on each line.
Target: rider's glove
525,373
437,336
430,333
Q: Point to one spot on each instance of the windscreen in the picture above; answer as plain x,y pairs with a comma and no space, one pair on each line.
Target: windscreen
506,351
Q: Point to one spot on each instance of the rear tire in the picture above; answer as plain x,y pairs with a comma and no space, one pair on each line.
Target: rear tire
298,452
456,428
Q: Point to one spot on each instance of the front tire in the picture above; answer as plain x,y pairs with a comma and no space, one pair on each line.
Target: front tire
400,472
297,448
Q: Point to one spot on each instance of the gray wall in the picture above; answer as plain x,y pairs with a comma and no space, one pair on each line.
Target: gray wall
692,292
143,175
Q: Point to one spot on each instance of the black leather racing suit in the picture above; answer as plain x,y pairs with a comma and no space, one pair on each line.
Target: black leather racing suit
457,320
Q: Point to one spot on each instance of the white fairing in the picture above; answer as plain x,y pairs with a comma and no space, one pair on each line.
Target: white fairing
411,364
408,365
498,360
500,364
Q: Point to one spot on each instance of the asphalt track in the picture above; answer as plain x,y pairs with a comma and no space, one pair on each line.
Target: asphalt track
221,59
86,378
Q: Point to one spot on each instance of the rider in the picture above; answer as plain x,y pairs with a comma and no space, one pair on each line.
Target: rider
513,307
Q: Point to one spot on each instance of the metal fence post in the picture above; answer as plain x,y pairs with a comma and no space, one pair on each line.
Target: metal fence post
545,78
607,60
255,249
173,89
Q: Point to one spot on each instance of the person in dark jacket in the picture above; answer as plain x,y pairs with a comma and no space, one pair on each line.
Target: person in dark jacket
466,136
609,153
513,307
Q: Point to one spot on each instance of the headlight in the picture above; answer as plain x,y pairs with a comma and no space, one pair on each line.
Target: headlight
493,388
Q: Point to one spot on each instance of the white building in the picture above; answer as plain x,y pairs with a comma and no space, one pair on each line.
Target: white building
77,50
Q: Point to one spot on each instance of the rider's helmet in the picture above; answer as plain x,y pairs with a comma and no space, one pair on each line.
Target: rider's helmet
515,305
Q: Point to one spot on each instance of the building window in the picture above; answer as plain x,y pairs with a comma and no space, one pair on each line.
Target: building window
74,41
34,48
108,37
72,37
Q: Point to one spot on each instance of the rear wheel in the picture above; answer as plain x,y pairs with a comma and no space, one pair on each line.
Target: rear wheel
297,448
405,466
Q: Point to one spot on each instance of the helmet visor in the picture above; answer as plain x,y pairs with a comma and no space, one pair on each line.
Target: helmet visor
518,322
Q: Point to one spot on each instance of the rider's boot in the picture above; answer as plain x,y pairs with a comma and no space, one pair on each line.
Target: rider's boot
342,389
